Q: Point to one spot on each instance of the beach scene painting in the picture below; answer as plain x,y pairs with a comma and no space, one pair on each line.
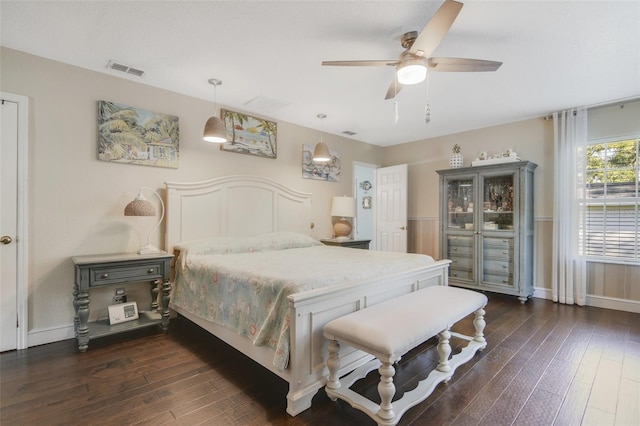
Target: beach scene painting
249,135
137,136
329,171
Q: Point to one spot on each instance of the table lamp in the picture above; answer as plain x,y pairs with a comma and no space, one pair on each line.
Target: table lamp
140,206
343,207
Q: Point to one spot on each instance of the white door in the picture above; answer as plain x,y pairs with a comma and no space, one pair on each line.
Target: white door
12,135
391,197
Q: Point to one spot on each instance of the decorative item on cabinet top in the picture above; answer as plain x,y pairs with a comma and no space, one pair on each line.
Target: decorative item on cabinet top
456,158
508,155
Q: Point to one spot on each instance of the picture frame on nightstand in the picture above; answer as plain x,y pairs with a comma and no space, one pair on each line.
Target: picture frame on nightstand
123,312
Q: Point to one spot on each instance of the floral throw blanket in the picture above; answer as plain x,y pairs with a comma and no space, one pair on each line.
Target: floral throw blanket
243,283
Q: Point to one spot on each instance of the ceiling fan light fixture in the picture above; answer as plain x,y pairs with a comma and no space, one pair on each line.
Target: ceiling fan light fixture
411,71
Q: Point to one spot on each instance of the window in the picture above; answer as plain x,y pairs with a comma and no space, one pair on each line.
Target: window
610,225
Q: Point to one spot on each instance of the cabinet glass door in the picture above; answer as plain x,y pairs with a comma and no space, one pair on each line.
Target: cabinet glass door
460,198
498,203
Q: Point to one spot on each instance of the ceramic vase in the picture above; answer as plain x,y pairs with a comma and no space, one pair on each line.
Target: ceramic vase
456,161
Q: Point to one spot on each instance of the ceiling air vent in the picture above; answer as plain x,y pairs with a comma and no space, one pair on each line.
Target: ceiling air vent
125,68
348,133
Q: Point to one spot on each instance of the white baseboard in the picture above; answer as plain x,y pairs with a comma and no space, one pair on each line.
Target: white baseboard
50,335
596,301
44,336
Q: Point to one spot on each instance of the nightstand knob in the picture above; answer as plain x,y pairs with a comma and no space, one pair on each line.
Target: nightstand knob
151,271
105,275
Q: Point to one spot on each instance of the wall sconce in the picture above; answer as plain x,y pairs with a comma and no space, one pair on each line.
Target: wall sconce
140,206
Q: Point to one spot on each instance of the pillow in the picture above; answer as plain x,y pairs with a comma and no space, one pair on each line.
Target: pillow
286,240
220,245
234,245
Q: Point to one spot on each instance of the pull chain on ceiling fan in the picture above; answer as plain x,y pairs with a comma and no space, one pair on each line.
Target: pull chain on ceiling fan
412,65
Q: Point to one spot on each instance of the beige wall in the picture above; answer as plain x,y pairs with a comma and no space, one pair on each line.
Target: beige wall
76,202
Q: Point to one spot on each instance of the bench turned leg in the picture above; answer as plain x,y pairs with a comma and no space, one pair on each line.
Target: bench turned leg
333,364
479,324
444,350
387,390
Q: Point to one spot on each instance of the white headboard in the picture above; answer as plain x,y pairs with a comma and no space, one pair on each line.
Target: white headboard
233,206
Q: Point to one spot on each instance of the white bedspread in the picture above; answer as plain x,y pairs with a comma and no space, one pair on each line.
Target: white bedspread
248,291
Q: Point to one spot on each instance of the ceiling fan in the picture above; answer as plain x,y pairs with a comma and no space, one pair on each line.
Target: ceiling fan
412,64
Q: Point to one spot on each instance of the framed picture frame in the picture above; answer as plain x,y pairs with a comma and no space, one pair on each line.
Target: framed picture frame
123,312
366,202
250,135
329,171
134,135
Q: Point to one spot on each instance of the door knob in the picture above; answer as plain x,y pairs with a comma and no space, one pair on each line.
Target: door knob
5,239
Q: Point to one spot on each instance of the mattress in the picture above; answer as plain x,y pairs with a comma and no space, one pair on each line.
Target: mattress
243,283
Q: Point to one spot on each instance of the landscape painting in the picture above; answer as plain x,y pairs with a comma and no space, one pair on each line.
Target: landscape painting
250,135
132,135
329,171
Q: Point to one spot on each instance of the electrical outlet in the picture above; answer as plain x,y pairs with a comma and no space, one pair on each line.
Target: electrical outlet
121,296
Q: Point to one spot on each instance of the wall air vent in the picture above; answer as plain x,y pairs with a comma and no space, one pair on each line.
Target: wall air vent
125,68
348,133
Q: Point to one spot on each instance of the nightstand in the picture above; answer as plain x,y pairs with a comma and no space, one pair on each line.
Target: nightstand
358,244
105,270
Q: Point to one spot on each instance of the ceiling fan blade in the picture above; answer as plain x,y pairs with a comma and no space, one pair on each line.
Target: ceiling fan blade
435,30
363,63
461,65
394,89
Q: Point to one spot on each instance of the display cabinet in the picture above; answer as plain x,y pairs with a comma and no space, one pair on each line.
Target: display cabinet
486,227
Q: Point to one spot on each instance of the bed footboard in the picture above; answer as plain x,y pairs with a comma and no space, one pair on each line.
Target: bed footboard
310,311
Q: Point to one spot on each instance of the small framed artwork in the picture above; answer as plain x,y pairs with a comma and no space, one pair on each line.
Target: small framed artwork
123,312
329,171
366,202
250,135
137,136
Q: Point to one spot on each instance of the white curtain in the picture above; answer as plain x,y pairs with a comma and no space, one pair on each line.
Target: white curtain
569,282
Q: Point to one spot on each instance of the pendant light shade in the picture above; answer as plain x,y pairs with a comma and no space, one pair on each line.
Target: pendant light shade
321,152
215,130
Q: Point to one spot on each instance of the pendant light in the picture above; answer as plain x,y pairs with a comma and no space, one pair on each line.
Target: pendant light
215,131
321,151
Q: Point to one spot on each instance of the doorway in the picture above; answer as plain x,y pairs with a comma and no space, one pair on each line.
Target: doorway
13,226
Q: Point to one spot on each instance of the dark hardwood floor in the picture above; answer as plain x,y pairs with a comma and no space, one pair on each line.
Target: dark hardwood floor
545,364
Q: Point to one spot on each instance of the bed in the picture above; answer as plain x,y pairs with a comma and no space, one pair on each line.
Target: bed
230,228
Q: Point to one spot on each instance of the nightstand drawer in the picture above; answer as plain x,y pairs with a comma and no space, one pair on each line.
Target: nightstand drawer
110,275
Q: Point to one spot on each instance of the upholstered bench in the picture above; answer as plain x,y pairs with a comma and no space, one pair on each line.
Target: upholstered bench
390,329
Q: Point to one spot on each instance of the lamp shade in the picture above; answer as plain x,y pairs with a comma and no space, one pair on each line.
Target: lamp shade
215,131
321,153
140,206
343,207
411,71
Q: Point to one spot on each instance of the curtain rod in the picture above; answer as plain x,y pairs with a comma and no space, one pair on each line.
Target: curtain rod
621,102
